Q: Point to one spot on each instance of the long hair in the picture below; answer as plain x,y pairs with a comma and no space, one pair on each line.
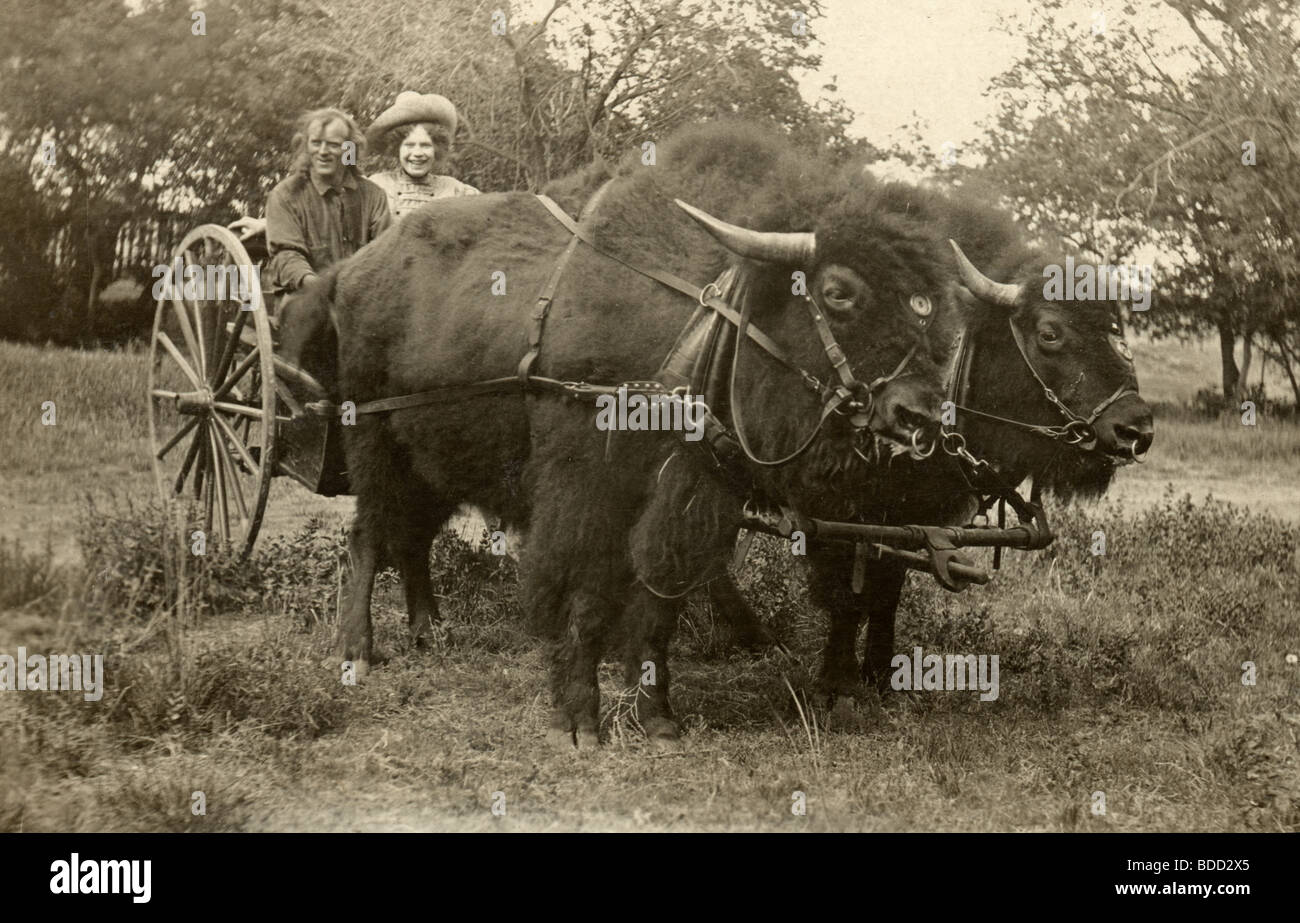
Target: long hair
301,163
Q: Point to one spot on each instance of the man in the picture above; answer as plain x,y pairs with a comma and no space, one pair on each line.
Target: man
325,210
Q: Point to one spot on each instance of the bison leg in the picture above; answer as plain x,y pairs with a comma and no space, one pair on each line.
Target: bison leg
652,620
831,588
885,579
355,640
574,662
748,631
410,551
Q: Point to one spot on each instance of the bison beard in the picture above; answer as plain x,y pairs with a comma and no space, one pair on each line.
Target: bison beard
415,310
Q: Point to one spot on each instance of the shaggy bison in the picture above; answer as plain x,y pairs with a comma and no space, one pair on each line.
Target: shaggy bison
1019,344
852,309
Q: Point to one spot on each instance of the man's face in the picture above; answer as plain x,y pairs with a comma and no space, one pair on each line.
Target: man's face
325,145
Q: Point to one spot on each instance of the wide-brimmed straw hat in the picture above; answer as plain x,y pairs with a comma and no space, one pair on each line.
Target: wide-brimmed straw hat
415,107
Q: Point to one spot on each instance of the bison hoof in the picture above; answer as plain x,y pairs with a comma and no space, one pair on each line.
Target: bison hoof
662,732
853,713
759,639
587,739
561,740
567,741
431,637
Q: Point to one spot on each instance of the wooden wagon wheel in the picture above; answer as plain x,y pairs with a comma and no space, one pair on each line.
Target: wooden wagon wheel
212,387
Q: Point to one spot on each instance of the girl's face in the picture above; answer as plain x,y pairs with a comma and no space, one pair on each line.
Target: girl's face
416,154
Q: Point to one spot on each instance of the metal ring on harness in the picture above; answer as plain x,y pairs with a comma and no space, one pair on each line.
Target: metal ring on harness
916,449
704,293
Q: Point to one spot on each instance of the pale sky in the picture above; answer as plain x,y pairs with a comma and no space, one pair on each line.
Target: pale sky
897,60
894,61
934,58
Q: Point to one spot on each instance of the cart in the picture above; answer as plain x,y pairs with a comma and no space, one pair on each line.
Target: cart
224,419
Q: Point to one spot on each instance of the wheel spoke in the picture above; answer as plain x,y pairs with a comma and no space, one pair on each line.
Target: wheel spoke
208,493
186,465
227,439
242,451
240,371
228,353
198,318
287,396
180,434
219,483
175,353
187,330
202,468
241,409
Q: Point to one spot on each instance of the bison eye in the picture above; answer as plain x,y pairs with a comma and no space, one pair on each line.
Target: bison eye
840,290
838,297
1049,338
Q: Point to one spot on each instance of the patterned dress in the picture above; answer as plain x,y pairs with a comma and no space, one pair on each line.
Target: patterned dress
406,194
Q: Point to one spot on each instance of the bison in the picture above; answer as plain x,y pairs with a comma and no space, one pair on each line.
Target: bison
1074,348
620,526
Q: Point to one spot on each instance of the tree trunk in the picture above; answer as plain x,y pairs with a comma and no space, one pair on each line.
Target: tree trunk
1284,359
1247,355
92,299
1227,340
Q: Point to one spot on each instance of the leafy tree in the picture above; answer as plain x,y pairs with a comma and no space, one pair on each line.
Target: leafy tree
1143,134
158,117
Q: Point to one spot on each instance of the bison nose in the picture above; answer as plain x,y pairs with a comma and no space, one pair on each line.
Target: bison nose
1139,437
1127,434
906,407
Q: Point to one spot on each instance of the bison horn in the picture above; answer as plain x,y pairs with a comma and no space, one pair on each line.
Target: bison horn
790,248
982,286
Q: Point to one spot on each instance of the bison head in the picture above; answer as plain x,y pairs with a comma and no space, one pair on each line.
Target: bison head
865,283
1076,350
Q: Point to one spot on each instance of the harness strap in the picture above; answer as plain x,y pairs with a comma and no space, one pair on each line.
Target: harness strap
1051,395
524,378
839,396
694,292
538,317
421,398
1121,391
1052,432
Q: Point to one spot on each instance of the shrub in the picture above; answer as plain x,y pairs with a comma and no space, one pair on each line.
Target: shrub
138,562
26,576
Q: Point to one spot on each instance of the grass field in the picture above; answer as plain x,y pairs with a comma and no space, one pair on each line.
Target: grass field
1120,674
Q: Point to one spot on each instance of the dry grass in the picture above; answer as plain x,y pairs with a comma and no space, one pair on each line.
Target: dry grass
1120,674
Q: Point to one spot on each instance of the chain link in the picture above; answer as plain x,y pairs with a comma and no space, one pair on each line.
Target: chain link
954,444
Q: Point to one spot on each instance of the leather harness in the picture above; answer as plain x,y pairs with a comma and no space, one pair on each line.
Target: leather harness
524,377
694,360
1077,431
729,448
